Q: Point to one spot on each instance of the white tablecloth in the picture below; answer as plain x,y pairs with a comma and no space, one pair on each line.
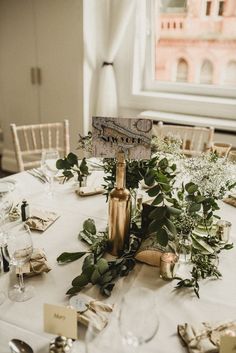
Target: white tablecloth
25,320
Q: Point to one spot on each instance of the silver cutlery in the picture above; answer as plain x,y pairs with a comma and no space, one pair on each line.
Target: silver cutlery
37,174
19,346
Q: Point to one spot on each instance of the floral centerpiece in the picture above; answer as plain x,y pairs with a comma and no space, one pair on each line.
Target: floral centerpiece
174,211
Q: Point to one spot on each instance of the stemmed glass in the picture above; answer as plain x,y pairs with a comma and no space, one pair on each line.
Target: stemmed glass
138,318
48,164
97,340
19,250
5,206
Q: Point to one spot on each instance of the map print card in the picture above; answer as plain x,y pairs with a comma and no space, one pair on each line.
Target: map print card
130,135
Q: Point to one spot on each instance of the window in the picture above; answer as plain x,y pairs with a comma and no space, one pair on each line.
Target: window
182,71
221,8
208,8
183,67
230,73
194,37
206,73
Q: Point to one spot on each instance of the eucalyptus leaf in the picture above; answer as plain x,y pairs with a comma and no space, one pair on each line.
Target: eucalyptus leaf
80,281
89,226
154,190
96,276
194,207
102,266
158,199
162,237
158,213
191,188
107,289
72,159
73,290
66,257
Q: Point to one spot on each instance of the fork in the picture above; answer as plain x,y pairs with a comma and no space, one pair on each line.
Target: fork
40,177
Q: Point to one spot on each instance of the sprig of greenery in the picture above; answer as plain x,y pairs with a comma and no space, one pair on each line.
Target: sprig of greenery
205,261
70,166
97,270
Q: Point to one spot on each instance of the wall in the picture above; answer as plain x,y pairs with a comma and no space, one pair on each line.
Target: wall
61,58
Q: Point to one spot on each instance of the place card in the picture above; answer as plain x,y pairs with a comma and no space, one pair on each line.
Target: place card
60,320
130,135
228,344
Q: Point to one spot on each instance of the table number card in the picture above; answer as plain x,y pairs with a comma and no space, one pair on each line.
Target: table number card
60,320
228,344
131,135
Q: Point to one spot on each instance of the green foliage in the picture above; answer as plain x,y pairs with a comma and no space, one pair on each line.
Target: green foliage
97,270
70,166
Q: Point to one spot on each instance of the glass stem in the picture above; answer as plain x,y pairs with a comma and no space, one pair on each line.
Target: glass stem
21,280
51,185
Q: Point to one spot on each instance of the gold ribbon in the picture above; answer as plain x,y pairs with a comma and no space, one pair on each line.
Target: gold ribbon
36,265
97,313
208,340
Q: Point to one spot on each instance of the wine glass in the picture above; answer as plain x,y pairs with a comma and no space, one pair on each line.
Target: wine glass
19,250
102,340
138,319
48,164
2,294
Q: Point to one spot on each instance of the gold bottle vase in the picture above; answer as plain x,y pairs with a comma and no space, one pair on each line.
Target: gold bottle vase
119,210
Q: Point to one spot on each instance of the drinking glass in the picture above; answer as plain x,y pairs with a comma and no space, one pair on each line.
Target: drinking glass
19,250
105,340
2,294
138,318
48,164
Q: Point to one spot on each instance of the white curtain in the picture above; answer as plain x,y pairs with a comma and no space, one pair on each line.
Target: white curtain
119,14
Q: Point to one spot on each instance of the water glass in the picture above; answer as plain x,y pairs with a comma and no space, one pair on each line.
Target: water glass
105,340
138,317
185,248
48,165
19,250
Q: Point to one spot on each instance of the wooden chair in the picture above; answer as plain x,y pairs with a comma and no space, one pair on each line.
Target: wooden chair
30,140
195,140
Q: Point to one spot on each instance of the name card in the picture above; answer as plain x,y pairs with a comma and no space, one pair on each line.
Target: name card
130,135
228,344
60,320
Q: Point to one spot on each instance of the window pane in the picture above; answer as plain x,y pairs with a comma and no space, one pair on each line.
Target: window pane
206,73
221,8
230,74
208,8
182,71
205,44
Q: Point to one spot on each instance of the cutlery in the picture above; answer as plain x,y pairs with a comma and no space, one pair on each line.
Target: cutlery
19,346
37,175
41,174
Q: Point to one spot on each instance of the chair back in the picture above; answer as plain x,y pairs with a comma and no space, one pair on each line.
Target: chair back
30,140
195,140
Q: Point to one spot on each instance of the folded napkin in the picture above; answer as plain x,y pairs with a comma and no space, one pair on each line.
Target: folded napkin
94,311
89,191
15,213
231,200
205,337
41,220
36,265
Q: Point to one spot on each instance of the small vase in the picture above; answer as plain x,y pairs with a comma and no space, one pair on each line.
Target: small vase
184,248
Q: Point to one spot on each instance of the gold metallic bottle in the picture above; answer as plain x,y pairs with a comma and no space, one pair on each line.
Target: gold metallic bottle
119,209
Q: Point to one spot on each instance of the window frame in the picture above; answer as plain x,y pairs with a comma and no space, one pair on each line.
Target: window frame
145,89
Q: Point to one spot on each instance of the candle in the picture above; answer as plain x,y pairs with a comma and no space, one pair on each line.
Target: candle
168,265
223,230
